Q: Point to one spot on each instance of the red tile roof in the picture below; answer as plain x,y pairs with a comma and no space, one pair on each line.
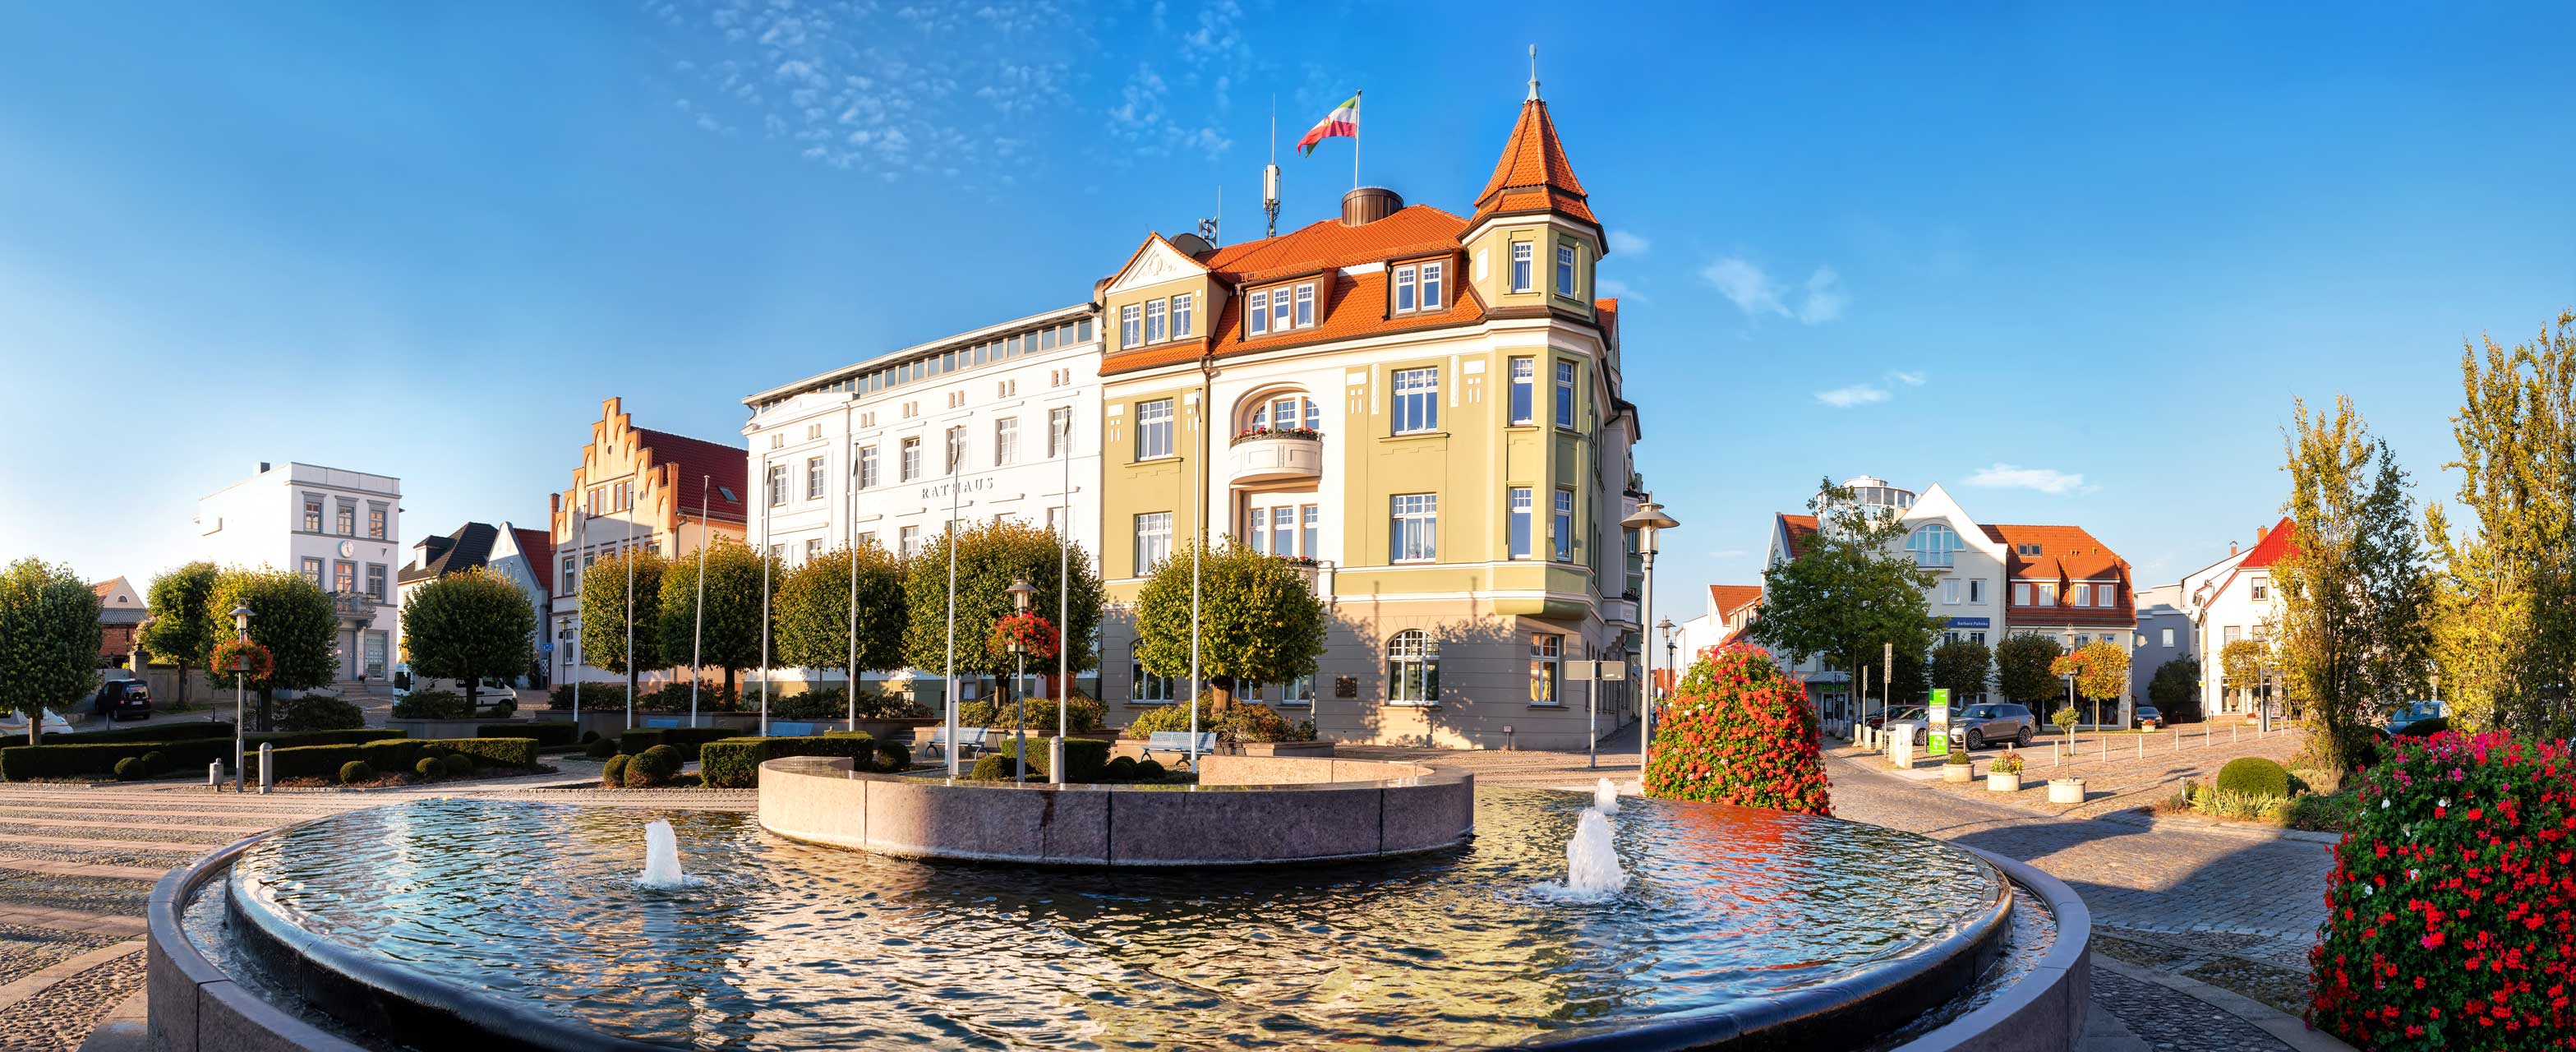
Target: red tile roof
1726,599
1413,230
540,550
2067,555
1533,174
2276,543
701,461
1798,528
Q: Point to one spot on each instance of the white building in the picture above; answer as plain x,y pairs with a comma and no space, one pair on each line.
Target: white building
999,423
340,529
2229,600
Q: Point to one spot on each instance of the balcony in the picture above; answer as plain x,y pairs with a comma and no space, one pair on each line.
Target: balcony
1276,456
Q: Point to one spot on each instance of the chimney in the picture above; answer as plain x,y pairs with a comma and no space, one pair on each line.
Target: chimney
2231,549
1368,204
2259,531
263,467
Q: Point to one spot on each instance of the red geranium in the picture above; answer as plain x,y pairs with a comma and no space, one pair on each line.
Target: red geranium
1035,635
1739,731
233,653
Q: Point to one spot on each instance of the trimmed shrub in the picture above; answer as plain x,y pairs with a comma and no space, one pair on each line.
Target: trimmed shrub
501,752
547,735
1149,770
1739,731
641,775
2254,776
734,763
130,769
2447,921
893,757
1084,758
321,761
995,767
1120,769
429,767
1081,714
588,737
457,763
1173,717
167,732
613,773
21,762
353,736
600,748
593,696
433,705
652,767
684,739
156,761
318,712
356,771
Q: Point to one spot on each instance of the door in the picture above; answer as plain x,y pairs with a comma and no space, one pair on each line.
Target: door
375,655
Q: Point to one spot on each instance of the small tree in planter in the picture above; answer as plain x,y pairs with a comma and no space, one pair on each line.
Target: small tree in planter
2100,671
1738,731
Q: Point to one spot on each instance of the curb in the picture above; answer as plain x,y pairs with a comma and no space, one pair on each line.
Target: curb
2289,1030
2193,825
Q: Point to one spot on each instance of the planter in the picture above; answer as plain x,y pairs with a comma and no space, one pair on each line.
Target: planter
2003,781
2066,790
1313,748
1958,772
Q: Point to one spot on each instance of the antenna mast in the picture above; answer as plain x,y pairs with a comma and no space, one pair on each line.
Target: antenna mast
1207,227
1270,174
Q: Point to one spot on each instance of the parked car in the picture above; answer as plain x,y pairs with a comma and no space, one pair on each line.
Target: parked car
2148,718
2408,715
16,723
1983,725
119,699
1900,714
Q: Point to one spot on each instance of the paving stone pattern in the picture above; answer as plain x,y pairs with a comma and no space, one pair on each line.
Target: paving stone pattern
60,1017
85,894
24,950
2170,1021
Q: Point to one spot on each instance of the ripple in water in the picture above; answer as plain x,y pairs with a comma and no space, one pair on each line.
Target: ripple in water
779,945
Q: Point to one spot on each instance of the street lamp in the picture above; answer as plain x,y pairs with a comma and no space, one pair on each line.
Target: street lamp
241,673
1648,519
1667,627
1020,591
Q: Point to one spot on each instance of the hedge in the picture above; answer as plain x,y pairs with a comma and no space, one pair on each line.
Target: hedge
734,763
325,761
685,739
1086,760
506,752
19,763
167,732
548,735
354,736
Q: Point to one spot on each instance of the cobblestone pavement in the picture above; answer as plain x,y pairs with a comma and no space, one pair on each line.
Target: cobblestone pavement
2169,1020
25,949
60,1016
2139,769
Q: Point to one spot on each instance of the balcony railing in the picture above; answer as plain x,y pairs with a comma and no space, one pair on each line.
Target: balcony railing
1276,456
1318,575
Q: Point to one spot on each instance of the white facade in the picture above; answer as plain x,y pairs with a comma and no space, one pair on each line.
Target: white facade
2229,600
1969,596
341,529
861,454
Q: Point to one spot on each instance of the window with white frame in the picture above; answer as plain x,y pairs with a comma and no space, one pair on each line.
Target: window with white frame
2021,593
867,467
1523,506
2081,594
347,519
1055,519
1256,530
1154,320
1417,400
1564,393
1298,692
1431,286
1933,544
777,484
2168,636
1412,669
813,478
1305,306
1524,254
1284,412
956,449
868,539
1405,289
1310,526
1153,540
376,581
1059,431
908,466
1256,313
2262,591
1184,309
376,520
2106,594
1148,688
1154,429
1524,390
344,576
1416,527
1561,518
571,576
1006,440
909,541
1976,590
813,548
1131,328
1564,270
1547,650
313,521
2048,593
1950,592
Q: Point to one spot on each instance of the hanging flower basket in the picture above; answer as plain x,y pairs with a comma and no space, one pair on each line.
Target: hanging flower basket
238,654
1035,635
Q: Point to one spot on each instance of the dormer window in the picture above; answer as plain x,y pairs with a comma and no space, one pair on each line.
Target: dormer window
1279,309
1417,287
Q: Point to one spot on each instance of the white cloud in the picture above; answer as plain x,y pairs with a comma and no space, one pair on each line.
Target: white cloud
1909,379
1625,243
1617,289
1755,292
1854,395
2044,480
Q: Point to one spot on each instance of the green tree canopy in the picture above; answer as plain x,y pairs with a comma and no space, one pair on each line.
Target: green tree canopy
2243,663
1964,667
2505,628
814,607
181,630
2022,663
49,638
2175,690
989,558
468,625
2353,595
292,617
1259,621
604,603
730,638
1852,590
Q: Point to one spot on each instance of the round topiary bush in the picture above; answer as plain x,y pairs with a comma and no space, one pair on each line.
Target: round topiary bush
1120,769
457,763
588,737
599,748
2254,776
995,767
665,759
614,774
893,757
428,767
129,769
356,771
2448,923
433,751
1149,770
155,762
641,775
1738,731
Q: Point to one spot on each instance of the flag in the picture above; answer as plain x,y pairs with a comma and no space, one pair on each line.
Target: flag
1343,121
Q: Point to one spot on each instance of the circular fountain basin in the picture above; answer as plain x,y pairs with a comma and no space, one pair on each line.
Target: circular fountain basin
1245,810
520,925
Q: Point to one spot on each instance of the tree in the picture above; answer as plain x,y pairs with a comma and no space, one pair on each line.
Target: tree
181,629
49,639
292,617
729,637
465,626
2022,668
1851,592
1259,621
2505,603
2243,665
604,603
989,558
2352,582
1963,667
814,612
2175,690
2100,672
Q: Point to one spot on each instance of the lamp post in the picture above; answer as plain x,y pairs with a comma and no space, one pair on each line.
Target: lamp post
1647,521
1020,591
241,673
1668,628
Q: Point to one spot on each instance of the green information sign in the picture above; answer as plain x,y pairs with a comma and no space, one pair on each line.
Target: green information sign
1939,739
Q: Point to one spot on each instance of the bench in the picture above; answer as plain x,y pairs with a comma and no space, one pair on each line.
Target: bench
1178,742
792,729
969,739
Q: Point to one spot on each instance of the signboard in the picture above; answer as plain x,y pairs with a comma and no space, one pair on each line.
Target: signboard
1971,622
1614,670
1579,671
1939,738
545,648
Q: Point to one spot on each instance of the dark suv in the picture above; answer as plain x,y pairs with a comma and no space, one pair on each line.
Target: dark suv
119,699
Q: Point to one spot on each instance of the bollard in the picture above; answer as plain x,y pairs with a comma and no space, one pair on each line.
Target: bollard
2142,745
2233,731
215,775
266,752
2177,739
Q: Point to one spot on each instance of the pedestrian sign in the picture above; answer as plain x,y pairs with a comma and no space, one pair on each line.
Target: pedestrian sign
1939,712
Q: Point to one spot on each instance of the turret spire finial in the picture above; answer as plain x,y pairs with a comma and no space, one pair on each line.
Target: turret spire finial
1533,95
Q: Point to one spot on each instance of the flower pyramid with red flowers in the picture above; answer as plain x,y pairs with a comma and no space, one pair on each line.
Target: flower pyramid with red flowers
1737,730
2449,921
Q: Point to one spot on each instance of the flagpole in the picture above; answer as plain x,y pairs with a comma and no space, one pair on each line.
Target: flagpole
765,548
850,539
1355,139
580,541
631,679
698,626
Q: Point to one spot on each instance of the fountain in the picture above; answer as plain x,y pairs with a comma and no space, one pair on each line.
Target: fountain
1605,797
661,858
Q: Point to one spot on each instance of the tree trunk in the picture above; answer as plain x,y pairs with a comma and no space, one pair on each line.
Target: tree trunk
183,682
1220,694
724,698
473,690
267,697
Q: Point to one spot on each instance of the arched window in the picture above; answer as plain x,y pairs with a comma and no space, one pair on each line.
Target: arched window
1412,669
1148,689
1933,544
1282,411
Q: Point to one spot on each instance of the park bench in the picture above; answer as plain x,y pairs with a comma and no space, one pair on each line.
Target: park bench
972,740
1179,742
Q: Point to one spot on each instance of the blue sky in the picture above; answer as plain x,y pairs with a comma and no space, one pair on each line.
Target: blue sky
2073,263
